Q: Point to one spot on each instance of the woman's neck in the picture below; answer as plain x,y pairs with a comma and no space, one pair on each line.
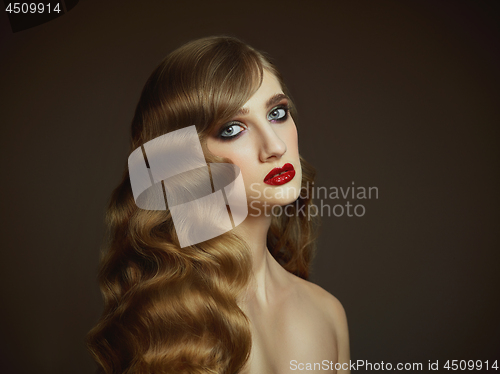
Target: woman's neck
266,272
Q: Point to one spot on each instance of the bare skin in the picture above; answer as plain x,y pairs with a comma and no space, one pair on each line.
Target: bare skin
293,321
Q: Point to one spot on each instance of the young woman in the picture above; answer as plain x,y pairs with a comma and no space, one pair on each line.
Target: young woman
239,302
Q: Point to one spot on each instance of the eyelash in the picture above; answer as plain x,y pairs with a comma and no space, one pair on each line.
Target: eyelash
285,107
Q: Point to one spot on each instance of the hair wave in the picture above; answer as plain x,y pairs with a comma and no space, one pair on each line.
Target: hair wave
173,310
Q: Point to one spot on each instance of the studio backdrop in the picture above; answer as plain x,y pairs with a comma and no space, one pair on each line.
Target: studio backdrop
398,111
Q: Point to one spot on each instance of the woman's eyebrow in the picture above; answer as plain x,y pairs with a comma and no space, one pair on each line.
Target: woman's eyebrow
275,99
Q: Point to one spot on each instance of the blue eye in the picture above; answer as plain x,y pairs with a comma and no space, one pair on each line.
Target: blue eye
231,131
278,114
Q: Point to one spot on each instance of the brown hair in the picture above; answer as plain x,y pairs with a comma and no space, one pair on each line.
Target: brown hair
174,310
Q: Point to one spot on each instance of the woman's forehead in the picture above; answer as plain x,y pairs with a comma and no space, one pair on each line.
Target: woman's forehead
269,92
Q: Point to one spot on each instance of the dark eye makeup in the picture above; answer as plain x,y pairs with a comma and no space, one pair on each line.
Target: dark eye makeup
233,129
230,130
278,114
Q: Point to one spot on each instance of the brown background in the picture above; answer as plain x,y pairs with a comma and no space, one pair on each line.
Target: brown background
398,95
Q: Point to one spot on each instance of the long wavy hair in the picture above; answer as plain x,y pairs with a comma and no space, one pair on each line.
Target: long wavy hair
173,310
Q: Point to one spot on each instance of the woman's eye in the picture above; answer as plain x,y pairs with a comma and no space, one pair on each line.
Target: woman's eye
231,131
277,114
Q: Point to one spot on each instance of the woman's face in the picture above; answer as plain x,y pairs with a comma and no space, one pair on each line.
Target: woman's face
260,138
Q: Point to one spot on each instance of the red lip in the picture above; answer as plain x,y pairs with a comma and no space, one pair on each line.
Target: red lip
274,179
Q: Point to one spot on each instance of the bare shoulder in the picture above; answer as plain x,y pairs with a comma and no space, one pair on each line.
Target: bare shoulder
333,312
324,300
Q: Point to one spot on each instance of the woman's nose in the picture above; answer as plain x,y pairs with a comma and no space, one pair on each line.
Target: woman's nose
270,143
